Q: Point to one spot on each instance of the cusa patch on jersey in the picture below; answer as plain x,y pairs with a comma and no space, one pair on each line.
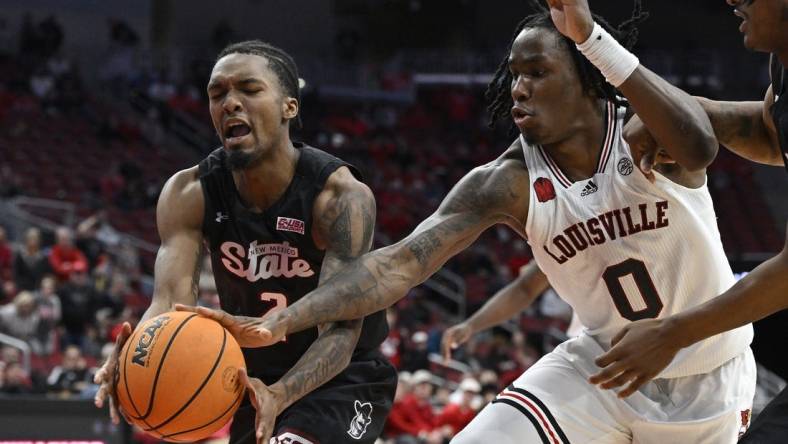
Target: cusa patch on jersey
290,224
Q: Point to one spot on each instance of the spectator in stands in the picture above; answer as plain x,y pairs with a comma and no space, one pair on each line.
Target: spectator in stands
411,419
65,258
17,380
50,313
8,291
79,301
415,356
6,256
457,414
21,320
30,263
72,376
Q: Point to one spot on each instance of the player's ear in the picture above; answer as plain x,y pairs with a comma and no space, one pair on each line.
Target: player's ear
290,107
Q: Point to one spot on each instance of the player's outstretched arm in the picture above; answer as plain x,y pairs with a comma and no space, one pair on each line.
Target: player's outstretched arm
179,215
344,215
676,120
746,128
644,348
508,302
493,193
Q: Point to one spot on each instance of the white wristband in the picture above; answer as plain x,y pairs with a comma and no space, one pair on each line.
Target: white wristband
614,61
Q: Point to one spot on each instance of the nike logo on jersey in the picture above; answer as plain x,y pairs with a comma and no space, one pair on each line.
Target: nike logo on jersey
608,226
590,188
264,261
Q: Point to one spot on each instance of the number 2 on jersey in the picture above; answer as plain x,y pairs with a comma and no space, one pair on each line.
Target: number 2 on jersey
280,302
645,284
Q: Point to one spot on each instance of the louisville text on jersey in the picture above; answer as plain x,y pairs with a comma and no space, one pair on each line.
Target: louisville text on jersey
264,261
608,226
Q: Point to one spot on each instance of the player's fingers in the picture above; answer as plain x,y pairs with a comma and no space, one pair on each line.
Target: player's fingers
633,386
113,412
619,336
613,355
619,380
264,335
227,320
101,373
608,372
181,307
647,161
101,395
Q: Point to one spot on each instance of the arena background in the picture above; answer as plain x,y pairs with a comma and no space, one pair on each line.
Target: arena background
102,100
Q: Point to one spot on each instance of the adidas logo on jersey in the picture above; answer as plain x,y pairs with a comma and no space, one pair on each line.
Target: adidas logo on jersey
590,188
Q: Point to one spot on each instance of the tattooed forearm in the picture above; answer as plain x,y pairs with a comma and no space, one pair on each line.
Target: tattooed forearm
381,277
319,364
424,245
740,127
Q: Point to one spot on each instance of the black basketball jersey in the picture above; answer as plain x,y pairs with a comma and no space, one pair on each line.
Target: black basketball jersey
780,108
268,260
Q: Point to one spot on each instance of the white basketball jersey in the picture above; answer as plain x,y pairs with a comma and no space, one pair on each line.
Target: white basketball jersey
619,248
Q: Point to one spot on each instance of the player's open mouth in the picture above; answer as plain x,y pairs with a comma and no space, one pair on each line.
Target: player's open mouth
235,131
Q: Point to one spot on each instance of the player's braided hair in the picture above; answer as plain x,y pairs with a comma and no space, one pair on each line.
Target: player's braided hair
498,92
280,62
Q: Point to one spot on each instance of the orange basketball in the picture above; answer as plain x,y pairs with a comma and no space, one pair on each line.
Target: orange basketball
178,377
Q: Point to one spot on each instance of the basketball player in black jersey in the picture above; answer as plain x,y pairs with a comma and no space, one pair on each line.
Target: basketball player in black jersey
757,131
278,218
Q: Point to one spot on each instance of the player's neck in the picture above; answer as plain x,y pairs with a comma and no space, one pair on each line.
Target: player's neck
578,154
264,183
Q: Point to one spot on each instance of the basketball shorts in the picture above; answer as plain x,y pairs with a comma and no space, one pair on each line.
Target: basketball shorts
351,408
553,402
771,426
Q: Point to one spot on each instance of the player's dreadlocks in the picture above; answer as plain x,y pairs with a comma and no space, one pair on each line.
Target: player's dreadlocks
498,92
280,62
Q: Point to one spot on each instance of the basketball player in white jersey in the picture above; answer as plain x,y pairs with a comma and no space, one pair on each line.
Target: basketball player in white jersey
615,245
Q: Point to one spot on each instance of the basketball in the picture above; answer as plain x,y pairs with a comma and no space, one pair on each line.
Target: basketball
177,377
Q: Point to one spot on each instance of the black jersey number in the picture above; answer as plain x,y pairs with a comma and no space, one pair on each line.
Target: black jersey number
645,284
280,302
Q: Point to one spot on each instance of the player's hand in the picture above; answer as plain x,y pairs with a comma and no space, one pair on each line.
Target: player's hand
266,402
643,147
105,377
454,337
572,18
250,332
640,351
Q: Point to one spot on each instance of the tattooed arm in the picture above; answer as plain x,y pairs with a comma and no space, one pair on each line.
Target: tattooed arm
345,222
179,216
746,128
490,194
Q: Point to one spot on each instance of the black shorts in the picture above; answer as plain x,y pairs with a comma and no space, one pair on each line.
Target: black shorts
351,408
771,426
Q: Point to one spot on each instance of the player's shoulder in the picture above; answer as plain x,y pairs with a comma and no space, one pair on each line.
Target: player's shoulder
342,184
509,166
181,199
497,187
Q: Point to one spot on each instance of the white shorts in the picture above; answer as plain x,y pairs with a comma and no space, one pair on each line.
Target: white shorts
553,402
